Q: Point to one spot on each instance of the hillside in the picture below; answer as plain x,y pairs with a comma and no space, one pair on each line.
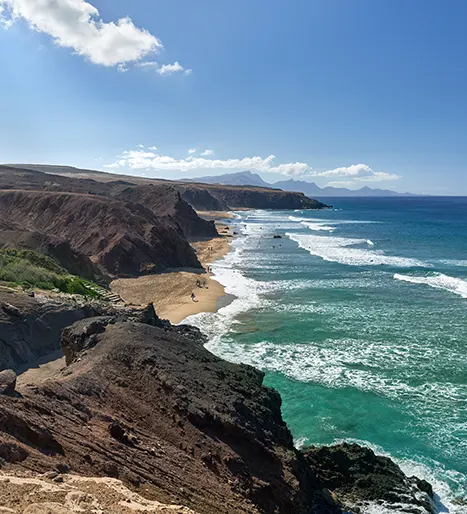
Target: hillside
203,197
120,237
12,235
167,203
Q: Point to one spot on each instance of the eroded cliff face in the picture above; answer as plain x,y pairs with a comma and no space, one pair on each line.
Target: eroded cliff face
124,239
201,199
262,198
166,202
145,402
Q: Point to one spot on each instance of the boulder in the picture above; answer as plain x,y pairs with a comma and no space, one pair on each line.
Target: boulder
7,382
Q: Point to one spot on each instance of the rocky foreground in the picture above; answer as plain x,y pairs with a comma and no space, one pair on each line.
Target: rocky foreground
143,403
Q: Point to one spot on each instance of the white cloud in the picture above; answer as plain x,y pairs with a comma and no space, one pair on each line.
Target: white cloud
153,148
76,24
156,161
122,68
5,21
176,67
141,160
147,65
360,172
140,146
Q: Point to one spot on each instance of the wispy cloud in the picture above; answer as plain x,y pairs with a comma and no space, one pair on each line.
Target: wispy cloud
159,162
76,24
147,65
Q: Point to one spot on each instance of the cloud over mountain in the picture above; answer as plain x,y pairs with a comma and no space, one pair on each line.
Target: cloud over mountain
156,161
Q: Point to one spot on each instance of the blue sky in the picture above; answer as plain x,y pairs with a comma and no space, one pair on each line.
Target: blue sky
351,92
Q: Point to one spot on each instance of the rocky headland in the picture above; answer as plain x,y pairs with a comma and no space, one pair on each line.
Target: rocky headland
143,402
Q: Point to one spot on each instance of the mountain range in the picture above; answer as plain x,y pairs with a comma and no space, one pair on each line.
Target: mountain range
246,178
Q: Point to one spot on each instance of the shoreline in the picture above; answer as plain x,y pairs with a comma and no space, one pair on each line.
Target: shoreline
170,292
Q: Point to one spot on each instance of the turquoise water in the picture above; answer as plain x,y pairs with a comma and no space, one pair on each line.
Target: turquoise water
357,316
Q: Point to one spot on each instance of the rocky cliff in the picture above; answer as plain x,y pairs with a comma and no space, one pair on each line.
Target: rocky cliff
123,238
166,202
261,198
163,199
145,402
201,199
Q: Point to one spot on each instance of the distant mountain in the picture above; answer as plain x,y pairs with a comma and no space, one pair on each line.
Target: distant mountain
311,189
242,178
246,178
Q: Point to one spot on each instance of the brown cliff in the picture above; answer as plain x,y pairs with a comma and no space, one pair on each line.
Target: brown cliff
121,237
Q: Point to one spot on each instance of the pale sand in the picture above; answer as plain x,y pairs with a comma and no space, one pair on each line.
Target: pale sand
37,494
215,215
171,292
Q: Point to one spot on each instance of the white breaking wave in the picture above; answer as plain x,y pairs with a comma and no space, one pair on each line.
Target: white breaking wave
343,250
439,281
370,242
454,262
318,226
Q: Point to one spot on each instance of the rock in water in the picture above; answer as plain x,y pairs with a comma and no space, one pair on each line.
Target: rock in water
358,476
7,382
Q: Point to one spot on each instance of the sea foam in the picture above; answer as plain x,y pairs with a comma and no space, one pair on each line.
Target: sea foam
438,281
344,251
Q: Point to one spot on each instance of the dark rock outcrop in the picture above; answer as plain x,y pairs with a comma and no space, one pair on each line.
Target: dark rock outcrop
358,477
31,328
125,239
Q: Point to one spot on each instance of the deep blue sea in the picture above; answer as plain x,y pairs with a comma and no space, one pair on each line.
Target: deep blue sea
357,315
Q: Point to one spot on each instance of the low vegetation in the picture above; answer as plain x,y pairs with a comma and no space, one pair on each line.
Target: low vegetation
33,270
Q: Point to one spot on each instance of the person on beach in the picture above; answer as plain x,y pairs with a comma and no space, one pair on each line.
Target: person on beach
193,297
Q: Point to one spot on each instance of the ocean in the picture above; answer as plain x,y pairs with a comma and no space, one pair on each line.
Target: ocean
357,316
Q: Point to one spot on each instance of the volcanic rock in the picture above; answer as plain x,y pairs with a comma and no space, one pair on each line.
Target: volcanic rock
358,476
7,381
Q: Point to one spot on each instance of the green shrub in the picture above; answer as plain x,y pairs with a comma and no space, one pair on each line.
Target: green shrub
30,269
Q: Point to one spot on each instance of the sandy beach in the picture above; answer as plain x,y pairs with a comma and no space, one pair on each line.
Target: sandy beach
171,292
